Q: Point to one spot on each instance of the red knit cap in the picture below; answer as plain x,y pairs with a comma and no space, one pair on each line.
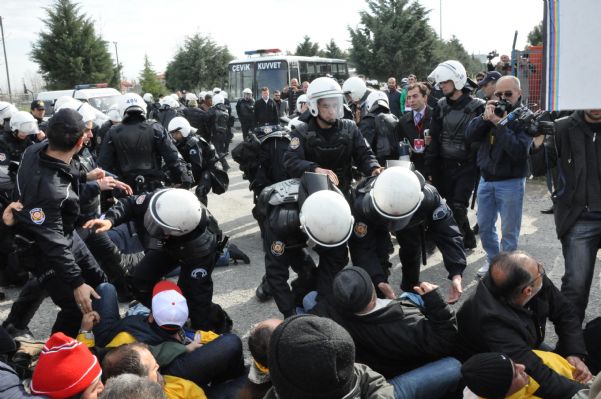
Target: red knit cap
66,367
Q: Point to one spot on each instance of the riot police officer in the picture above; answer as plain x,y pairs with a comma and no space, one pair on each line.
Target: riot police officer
356,93
23,127
450,161
326,143
245,107
169,108
379,127
400,201
114,118
219,122
133,149
297,209
185,234
201,156
6,112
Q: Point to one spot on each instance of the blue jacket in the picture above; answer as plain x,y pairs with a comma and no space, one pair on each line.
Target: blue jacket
503,152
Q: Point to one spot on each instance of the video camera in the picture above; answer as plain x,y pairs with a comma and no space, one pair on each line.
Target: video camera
534,123
492,55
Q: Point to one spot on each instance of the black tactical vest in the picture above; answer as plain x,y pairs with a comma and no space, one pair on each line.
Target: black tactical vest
134,146
454,123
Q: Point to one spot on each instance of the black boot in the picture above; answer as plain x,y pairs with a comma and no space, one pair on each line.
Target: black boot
263,292
460,215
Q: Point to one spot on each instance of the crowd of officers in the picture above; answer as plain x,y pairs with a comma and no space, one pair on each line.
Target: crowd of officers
338,169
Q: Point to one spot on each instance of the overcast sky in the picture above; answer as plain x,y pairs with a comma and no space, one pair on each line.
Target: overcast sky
158,27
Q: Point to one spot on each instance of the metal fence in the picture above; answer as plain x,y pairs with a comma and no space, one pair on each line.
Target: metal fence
21,101
528,67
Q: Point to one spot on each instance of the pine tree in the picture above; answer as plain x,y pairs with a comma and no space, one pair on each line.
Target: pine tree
70,52
535,37
454,50
307,48
333,51
199,63
149,81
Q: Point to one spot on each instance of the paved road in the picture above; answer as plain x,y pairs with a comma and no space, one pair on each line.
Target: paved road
235,285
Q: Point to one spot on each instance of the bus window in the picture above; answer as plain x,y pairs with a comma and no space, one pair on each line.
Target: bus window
241,77
272,74
294,71
324,69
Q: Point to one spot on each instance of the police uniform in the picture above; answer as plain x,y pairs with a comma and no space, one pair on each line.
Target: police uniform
371,231
133,151
48,190
451,160
336,148
12,148
380,131
219,124
196,253
246,114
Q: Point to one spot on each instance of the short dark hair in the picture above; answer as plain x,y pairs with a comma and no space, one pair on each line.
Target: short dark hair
65,128
420,86
264,88
124,359
514,276
258,343
276,92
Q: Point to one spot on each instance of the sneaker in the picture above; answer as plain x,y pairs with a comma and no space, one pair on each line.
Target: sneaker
482,271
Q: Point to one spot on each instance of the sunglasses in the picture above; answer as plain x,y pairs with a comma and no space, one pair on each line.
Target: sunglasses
506,94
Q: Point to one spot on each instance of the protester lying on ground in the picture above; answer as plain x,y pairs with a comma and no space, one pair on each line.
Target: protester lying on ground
130,386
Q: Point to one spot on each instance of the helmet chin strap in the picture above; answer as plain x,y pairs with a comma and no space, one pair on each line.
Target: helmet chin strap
330,124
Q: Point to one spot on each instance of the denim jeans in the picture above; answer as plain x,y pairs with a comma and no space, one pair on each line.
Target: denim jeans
434,380
504,198
580,245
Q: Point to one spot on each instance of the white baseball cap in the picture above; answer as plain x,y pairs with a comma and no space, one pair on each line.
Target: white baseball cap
169,307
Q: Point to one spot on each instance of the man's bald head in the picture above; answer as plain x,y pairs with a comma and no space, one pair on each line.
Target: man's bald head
510,272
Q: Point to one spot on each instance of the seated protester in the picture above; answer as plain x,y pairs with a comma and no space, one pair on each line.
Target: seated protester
400,201
130,386
494,375
208,358
508,312
66,369
186,235
313,357
138,360
405,342
259,381
11,373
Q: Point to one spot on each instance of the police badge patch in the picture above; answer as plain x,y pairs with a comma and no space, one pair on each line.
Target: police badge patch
294,143
140,199
2,156
277,248
360,229
37,215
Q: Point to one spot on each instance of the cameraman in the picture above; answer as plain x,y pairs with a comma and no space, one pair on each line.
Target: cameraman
502,159
574,149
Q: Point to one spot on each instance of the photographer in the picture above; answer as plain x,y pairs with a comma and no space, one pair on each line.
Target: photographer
502,159
574,150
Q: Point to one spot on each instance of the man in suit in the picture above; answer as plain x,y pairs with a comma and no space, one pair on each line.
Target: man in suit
413,125
266,111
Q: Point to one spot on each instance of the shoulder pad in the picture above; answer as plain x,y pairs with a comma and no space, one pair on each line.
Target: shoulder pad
473,105
284,192
280,134
192,141
443,106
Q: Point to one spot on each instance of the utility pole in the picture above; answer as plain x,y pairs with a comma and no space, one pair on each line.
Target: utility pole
440,29
10,93
118,69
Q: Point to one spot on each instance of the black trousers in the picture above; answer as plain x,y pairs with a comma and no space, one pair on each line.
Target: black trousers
195,281
48,283
457,183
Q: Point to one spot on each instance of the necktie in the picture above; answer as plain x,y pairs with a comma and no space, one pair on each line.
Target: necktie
417,117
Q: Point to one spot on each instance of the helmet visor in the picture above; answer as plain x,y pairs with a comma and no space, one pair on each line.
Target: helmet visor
330,108
29,127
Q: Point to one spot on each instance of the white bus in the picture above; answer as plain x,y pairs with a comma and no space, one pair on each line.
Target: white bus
276,71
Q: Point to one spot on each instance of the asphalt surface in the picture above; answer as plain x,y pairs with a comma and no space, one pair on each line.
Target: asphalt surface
235,285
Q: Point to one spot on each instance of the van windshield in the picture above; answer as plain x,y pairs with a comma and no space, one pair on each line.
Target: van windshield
104,103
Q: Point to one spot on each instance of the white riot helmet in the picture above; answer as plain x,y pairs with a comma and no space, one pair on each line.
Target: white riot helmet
326,218
376,99
169,101
247,91
131,102
173,212
302,99
24,122
113,114
223,93
325,88
179,124
202,95
218,99
216,90
85,110
191,96
175,96
148,97
397,193
449,70
7,110
355,88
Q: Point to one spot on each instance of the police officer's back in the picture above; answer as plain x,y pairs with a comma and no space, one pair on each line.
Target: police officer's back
134,149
